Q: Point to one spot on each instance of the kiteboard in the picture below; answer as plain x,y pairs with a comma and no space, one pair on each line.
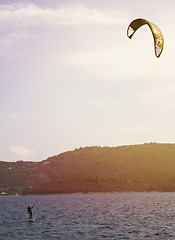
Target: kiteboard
31,219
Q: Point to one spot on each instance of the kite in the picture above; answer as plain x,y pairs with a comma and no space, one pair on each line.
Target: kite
157,34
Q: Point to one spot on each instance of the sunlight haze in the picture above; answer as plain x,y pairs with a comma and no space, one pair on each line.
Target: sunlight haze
70,77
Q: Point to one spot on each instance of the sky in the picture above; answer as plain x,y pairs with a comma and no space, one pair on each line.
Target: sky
70,77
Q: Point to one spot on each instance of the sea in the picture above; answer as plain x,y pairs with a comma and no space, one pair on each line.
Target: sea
95,216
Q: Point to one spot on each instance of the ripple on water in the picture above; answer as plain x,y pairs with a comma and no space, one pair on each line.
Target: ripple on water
133,216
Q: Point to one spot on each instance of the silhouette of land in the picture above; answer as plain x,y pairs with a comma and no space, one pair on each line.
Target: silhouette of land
145,167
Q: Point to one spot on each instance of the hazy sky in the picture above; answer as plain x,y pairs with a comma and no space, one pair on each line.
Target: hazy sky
70,77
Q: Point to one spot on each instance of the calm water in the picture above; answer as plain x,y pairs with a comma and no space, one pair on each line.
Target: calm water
89,216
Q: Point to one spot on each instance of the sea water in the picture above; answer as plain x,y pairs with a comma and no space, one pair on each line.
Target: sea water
96,216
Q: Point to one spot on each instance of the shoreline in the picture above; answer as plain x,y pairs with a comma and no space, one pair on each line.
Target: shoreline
84,193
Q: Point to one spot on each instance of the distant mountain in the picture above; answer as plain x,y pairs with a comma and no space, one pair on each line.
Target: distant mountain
146,167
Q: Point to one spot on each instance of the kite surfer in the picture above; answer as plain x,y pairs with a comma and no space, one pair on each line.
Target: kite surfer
29,210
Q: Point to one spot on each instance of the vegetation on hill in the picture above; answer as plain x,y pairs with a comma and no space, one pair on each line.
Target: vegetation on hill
146,167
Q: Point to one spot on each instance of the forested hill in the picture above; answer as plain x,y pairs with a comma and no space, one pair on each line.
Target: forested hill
146,167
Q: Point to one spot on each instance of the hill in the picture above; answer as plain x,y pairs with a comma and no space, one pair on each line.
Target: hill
146,167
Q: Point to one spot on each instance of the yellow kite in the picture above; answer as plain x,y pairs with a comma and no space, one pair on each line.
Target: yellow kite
157,34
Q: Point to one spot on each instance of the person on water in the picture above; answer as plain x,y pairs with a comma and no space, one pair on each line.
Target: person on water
29,210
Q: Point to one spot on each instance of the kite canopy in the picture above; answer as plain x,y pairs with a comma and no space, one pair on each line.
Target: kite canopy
157,34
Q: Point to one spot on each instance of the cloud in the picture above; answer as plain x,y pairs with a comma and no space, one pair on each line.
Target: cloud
17,117
7,39
21,117
96,102
107,64
160,97
22,152
19,22
77,14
